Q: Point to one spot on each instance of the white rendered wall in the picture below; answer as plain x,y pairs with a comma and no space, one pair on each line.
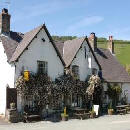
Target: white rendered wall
82,62
42,51
6,77
126,90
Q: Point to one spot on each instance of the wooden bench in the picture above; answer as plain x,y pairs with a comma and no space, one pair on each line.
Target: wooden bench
82,116
122,111
31,115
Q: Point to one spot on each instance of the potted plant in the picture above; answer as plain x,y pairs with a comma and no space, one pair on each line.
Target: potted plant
110,109
92,114
64,116
12,105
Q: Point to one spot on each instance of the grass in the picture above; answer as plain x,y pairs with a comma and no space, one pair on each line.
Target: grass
122,51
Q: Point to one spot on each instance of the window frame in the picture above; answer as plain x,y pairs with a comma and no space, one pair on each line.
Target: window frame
75,71
42,67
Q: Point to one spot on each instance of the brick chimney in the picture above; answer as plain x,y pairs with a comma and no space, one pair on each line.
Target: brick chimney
4,21
93,41
111,44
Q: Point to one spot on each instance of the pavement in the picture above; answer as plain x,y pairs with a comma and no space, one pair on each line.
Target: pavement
114,122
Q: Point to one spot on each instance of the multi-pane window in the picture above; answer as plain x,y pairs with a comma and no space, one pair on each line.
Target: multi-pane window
42,67
75,71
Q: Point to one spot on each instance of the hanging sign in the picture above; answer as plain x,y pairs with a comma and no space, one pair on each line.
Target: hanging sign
26,75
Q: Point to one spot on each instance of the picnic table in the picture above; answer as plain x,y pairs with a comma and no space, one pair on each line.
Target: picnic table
122,109
31,115
81,113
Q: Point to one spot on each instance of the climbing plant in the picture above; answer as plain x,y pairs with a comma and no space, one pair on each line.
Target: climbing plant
47,92
114,90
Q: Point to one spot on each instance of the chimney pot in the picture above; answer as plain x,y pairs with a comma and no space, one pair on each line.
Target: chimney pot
5,11
111,44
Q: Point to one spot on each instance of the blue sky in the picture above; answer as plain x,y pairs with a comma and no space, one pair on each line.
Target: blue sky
72,17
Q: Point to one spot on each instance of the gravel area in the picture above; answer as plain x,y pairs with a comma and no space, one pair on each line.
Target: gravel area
115,122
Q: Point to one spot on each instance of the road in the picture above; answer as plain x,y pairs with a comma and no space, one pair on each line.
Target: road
115,122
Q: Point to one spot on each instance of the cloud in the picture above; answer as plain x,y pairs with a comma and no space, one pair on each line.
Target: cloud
40,9
43,8
88,21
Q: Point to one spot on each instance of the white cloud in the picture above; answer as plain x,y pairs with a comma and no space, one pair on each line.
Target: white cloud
88,21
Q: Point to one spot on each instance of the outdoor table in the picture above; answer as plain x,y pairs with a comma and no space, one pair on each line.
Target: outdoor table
122,109
81,113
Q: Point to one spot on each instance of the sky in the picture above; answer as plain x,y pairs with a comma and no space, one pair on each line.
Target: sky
72,17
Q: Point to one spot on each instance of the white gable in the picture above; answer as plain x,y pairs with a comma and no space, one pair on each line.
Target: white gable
6,77
42,51
85,63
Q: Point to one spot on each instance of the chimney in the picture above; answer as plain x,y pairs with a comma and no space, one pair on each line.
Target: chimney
111,44
5,21
93,41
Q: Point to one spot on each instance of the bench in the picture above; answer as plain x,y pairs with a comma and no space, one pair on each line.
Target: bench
30,115
82,116
122,111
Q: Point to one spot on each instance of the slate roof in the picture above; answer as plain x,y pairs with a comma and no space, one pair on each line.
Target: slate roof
60,45
11,42
112,70
28,38
70,48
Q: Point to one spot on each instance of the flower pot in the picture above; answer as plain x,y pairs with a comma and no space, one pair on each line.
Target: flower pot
64,118
92,115
12,105
110,111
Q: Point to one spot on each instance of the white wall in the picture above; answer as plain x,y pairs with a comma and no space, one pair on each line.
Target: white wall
43,51
126,90
6,77
82,62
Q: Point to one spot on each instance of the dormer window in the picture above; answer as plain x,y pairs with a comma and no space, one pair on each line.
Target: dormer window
43,39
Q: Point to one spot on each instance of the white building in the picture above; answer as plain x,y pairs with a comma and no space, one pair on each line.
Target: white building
36,52
33,51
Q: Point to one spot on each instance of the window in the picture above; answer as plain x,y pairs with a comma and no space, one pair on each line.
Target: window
77,101
75,71
94,71
42,67
43,39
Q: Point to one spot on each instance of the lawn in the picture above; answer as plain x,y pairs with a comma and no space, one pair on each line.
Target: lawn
122,51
